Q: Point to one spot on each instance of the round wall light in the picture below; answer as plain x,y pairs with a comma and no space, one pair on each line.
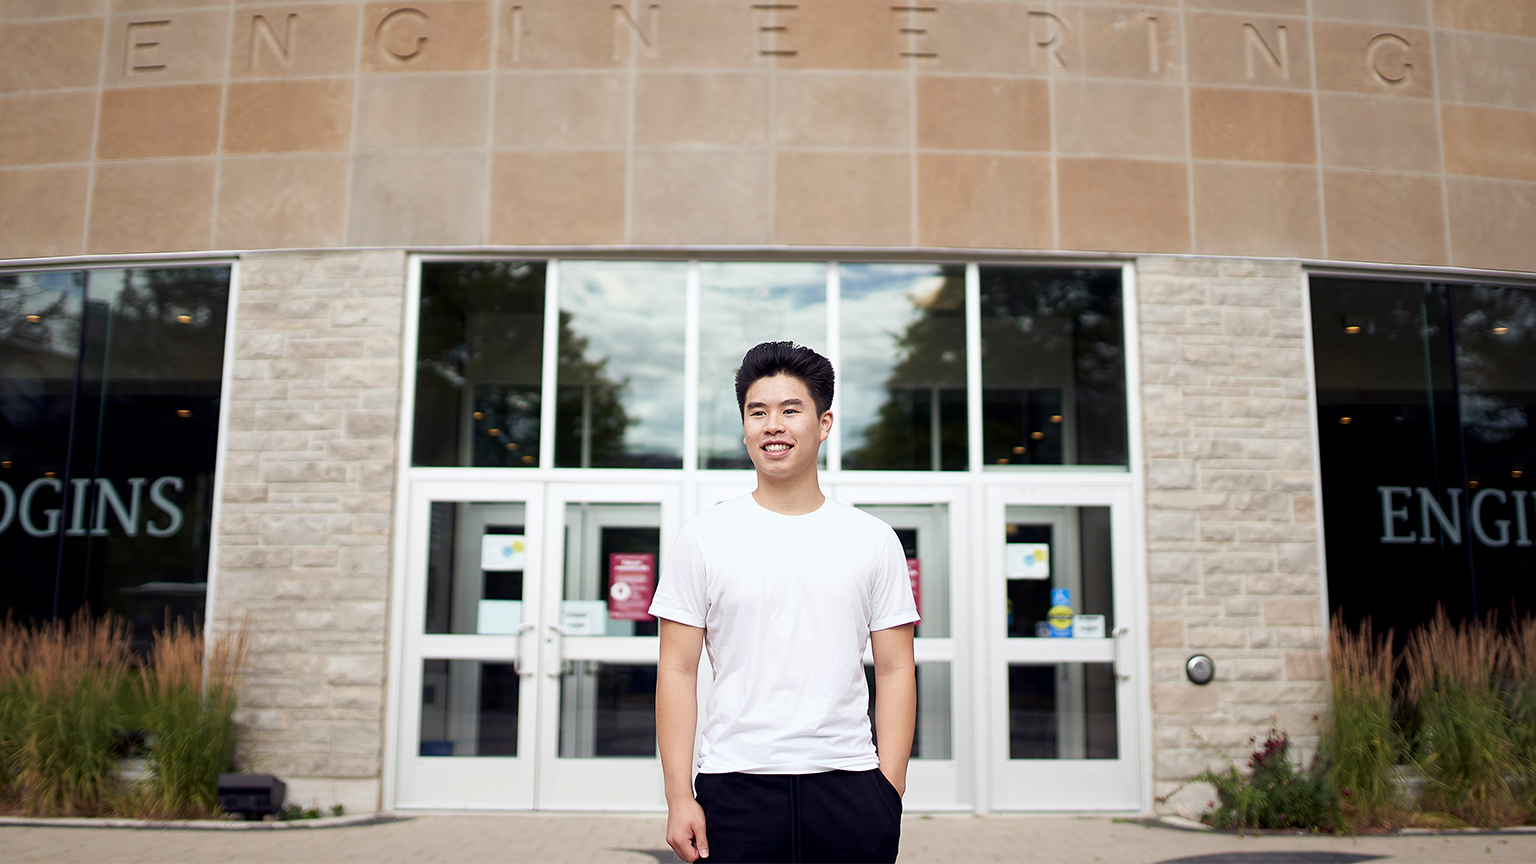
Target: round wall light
1200,669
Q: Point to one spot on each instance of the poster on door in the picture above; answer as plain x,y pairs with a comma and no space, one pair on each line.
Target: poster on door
631,578
915,573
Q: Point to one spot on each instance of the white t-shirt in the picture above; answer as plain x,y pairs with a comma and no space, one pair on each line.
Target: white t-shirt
787,604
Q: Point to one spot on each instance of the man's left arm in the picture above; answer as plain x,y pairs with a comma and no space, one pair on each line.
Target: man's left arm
895,701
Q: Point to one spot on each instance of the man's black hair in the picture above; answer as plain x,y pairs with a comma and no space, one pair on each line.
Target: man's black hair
768,359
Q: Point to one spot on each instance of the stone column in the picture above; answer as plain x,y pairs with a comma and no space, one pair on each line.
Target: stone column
304,533
1232,531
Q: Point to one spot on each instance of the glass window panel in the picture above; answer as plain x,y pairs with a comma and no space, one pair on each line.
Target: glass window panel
469,708
924,533
607,709
932,737
1049,549
475,568
612,559
127,365
479,361
1062,711
1495,336
741,305
40,319
1052,367
1426,403
902,366
621,365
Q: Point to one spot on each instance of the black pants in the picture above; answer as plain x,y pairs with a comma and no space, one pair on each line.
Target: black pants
852,816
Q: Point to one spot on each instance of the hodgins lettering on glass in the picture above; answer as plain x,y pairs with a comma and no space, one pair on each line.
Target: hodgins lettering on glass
23,509
1485,508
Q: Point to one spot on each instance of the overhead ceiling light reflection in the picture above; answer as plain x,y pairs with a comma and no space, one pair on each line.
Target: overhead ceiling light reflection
1472,484
1036,436
34,319
1017,451
1500,330
479,415
50,473
1345,421
511,446
1517,473
182,412
493,432
183,319
1055,418
5,463
1356,324
1002,461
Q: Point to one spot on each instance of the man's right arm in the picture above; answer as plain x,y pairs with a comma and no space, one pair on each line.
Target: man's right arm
677,712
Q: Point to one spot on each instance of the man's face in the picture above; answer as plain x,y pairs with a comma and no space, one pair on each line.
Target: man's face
780,426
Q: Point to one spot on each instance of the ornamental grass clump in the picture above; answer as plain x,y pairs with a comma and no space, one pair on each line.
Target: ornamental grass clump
60,715
1461,743
1276,794
1520,672
189,703
1360,738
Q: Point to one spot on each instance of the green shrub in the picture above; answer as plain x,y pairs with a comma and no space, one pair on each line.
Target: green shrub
1275,794
1360,739
1462,743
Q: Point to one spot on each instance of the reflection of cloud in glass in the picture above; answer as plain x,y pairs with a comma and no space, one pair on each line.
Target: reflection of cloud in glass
632,315
740,305
878,303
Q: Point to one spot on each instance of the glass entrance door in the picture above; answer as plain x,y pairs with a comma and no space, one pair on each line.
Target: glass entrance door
597,714
1065,711
470,649
528,667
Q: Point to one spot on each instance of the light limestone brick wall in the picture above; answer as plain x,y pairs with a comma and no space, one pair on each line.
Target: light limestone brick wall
1390,130
305,528
1232,530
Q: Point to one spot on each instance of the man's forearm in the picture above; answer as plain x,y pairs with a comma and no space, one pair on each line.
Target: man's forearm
895,721
677,712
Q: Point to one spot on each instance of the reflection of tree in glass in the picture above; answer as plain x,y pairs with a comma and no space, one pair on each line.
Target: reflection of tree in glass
1496,368
1046,332
482,328
590,422
179,308
931,362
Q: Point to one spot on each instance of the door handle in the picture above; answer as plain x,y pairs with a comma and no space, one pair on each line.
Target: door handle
522,652
553,662
1122,663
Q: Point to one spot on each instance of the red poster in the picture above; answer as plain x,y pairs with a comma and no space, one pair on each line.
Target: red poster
631,578
915,573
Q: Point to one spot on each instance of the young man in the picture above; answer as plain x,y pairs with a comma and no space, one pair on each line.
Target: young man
785,587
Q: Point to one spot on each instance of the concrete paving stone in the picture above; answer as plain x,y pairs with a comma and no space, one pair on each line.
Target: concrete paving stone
638,839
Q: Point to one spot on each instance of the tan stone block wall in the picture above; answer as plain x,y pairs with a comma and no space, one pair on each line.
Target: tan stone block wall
1232,531
305,526
1370,130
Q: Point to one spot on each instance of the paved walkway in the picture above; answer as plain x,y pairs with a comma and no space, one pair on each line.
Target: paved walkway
638,840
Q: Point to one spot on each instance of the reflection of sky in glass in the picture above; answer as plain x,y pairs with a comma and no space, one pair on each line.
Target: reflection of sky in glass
740,305
632,314
878,302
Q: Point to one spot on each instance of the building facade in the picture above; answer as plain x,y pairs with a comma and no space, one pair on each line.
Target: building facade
400,334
